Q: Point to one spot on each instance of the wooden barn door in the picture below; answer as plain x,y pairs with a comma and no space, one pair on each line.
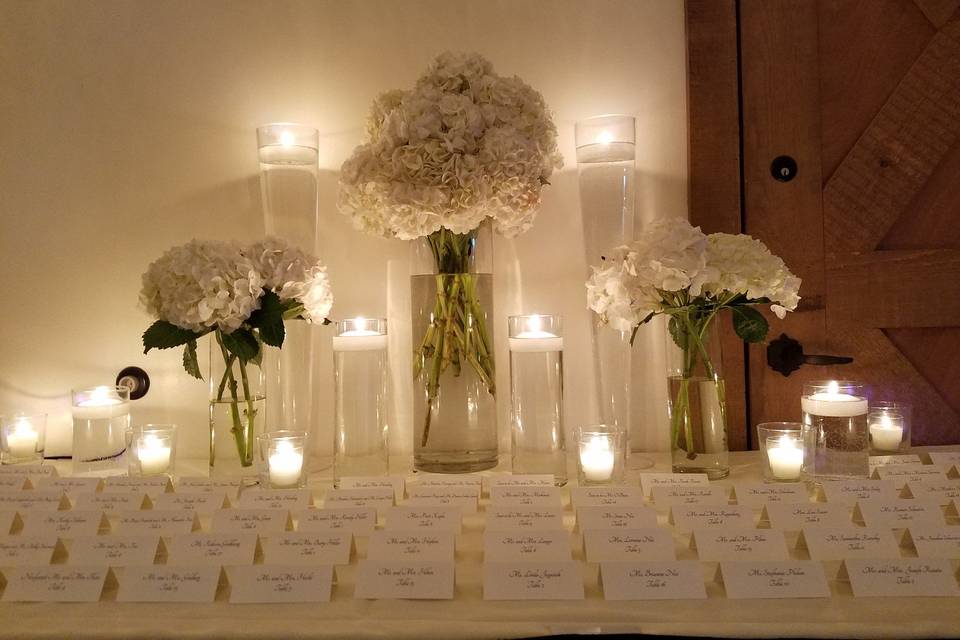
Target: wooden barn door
864,97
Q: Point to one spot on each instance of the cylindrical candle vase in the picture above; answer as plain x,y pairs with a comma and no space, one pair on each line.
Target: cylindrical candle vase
835,442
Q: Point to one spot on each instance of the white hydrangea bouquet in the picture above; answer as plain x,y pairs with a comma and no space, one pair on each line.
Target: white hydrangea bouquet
465,145
242,294
675,270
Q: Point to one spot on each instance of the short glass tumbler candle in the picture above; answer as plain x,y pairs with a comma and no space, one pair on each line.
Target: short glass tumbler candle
781,449
152,449
101,419
889,424
360,398
835,442
22,438
601,454
536,395
282,457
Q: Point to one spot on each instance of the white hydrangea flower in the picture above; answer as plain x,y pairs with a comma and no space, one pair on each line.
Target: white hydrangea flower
293,274
670,255
744,265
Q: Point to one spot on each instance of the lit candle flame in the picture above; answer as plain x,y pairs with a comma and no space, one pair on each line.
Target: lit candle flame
605,137
359,324
534,324
833,387
286,138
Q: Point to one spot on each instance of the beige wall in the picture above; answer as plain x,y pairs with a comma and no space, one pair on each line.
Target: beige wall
127,127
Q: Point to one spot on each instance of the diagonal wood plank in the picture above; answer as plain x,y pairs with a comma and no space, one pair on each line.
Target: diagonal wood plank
938,12
897,153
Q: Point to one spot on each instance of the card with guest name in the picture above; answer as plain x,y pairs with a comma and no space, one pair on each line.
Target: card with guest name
306,548
605,497
739,544
66,524
374,482
849,492
13,483
380,498
163,523
535,546
851,542
113,550
615,518
464,497
27,551
526,496
108,502
32,471
899,514
650,480
794,517
901,577
7,518
881,461
193,484
276,584
360,521
424,518
664,580
151,485
945,459
168,584
667,496
628,545
71,485
211,549
288,499
261,521
507,518
435,546
449,480
36,500
686,518
774,579
378,579
941,541
521,480
758,494
902,474
57,583
942,492
532,581
203,502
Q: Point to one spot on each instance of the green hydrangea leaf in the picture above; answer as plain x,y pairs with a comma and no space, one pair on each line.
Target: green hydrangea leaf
749,324
164,335
190,362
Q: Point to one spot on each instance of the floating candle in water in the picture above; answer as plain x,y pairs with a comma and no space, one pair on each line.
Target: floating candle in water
360,338
534,338
833,403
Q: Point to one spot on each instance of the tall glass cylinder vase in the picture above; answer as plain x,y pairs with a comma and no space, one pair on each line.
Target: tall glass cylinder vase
237,411
697,400
288,187
454,406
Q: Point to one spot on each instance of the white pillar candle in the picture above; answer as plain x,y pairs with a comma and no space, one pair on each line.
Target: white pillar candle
22,440
286,465
785,458
832,403
887,434
101,405
154,455
360,339
597,459
534,338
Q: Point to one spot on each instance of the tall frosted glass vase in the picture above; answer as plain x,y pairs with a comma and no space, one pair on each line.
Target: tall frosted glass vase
237,411
697,400
454,405
288,187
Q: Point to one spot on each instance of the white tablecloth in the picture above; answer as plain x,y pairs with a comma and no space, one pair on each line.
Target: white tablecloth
469,616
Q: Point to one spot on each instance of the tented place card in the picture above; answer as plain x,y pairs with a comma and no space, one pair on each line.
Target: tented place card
424,518
582,497
676,580
848,492
532,581
359,521
615,518
109,502
32,471
942,541
902,474
211,549
535,546
289,499
628,545
521,480
407,580
230,486
168,584
71,485
262,521
374,482
36,500
757,494
880,461
739,544
55,584
465,497
507,518
272,584
7,517
689,517
13,483
114,551
774,579
27,551
666,496
945,459
66,524
164,523
650,480
380,498
899,514
901,577
438,546
526,496
152,486
449,480
942,492
305,548
201,502
793,517
840,544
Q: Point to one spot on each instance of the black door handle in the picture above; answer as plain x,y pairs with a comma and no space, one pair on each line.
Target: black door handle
785,355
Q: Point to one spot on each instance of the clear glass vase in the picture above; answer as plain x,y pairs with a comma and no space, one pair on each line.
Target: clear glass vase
237,411
697,404
454,406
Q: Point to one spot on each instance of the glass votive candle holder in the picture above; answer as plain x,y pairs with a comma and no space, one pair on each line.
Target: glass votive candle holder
781,449
101,419
152,449
601,454
22,438
835,442
283,459
889,426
